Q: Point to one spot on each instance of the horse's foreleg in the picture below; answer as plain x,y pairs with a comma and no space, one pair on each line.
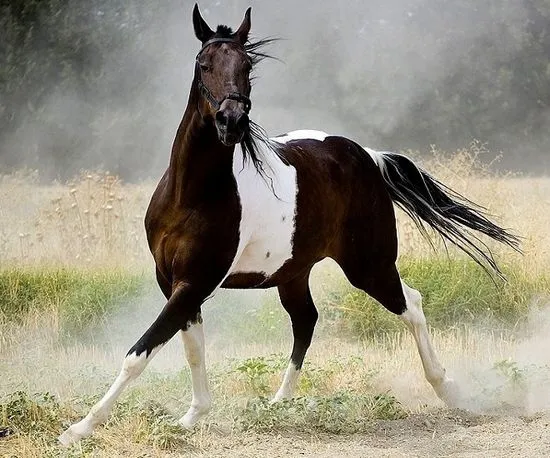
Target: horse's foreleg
180,309
193,339
296,299
132,367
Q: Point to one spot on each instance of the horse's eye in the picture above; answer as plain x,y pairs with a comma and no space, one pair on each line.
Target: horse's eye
204,67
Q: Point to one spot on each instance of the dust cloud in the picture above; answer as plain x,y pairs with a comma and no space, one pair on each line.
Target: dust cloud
394,75
501,375
517,381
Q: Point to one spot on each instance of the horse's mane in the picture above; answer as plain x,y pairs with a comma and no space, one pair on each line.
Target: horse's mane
255,136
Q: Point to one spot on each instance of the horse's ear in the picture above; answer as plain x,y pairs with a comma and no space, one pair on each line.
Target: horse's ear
242,33
202,31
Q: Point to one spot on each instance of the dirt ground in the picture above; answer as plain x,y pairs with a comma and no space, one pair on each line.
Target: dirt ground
515,420
439,433
506,380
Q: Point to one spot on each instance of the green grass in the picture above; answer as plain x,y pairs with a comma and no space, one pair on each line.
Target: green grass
79,298
344,412
21,413
455,293
40,417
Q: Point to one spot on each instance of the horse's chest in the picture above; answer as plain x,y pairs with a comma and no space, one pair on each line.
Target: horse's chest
267,225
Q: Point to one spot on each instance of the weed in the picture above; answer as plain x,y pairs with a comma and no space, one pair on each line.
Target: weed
342,412
92,220
151,424
38,414
257,370
510,370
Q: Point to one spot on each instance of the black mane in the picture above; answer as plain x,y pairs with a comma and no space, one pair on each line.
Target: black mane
223,31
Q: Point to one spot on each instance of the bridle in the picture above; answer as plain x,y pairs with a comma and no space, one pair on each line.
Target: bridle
206,92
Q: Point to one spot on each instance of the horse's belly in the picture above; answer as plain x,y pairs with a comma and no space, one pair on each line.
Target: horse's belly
265,256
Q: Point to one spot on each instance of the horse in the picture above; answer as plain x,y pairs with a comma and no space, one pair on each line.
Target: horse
236,209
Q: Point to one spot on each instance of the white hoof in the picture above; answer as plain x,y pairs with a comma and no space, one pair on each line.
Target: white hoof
74,433
449,392
279,397
193,415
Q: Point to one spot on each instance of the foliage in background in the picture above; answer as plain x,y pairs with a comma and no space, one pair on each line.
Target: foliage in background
77,57
450,72
79,300
99,83
455,293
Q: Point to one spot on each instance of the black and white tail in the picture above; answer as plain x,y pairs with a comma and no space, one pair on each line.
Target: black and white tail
428,201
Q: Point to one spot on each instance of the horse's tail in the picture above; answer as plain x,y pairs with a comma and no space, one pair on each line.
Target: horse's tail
427,200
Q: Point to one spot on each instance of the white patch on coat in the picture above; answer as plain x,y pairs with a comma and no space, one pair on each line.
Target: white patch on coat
303,134
268,206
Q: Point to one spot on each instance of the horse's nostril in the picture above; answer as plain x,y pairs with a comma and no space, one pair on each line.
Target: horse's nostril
221,118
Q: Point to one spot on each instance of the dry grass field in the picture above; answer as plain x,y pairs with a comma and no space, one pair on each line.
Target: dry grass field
76,290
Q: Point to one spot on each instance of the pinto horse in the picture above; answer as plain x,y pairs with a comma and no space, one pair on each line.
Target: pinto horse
237,210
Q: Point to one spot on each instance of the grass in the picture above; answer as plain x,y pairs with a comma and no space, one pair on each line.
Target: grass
77,300
72,258
343,412
37,419
94,220
456,292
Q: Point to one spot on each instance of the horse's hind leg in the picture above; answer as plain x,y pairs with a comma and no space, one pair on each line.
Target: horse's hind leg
181,308
193,339
385,285
296,299
415,320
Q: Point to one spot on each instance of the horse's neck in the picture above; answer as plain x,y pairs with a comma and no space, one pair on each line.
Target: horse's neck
199,161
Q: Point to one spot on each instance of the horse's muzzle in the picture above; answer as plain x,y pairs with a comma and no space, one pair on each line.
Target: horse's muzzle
231,126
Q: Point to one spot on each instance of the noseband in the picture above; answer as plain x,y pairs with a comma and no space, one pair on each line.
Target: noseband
206,92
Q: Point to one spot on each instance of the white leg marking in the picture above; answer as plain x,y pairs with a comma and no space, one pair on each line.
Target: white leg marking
290,380
132,367
415,320
193,340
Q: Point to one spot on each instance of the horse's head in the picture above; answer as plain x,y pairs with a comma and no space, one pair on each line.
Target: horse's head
223,76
